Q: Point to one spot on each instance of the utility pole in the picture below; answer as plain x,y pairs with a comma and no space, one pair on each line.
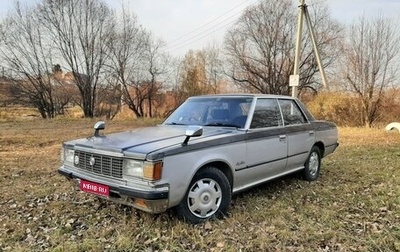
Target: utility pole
295,81
295,78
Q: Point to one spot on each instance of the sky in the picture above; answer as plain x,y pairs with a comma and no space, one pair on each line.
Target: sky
195,24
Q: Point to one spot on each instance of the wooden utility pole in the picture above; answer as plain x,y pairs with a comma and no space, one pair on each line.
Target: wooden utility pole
295,79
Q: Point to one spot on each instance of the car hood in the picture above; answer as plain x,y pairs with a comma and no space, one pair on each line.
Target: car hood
139,143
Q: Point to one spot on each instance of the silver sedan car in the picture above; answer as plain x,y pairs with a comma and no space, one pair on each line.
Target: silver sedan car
208,149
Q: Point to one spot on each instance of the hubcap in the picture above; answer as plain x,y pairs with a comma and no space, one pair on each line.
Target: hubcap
204,198
313,164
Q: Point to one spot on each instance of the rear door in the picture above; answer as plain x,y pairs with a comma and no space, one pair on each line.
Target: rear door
299,131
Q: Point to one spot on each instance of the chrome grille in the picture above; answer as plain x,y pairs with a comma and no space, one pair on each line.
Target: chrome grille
105,165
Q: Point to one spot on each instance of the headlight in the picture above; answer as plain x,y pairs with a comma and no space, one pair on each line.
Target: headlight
68,155
141,169
133,168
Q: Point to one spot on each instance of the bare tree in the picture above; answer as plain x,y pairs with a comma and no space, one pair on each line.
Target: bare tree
178,96
26,51
370,64
214,68
260,47
126,50
64,92
108,101
156,62
80,30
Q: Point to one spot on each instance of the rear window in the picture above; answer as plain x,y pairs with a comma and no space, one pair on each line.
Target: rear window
291,112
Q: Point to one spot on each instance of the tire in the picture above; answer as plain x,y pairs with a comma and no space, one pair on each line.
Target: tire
208,196
312,166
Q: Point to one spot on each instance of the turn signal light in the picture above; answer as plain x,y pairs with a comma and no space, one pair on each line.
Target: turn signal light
152,171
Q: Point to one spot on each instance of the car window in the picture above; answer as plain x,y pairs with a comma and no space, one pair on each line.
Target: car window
266,114
214,111
291,112
230,112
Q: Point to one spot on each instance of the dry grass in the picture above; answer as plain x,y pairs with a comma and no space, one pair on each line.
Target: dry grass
13,113
354,206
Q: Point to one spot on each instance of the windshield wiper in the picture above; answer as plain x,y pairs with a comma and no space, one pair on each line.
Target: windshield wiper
222,124
175,123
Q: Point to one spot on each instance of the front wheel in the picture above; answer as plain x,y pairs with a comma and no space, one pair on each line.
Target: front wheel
208,196
312,165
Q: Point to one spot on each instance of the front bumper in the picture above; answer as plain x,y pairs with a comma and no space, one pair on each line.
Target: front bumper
152,200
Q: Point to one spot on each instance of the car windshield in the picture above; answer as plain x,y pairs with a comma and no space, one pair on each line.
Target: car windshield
212,111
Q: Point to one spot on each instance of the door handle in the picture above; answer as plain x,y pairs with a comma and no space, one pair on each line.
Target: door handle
282,138
311,133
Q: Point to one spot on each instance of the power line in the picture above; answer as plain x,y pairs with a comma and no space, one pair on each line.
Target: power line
209,22
205,33
196,36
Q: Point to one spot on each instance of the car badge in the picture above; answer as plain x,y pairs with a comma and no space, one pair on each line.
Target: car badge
92,161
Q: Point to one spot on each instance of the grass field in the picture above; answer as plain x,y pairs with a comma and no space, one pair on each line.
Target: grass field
354,206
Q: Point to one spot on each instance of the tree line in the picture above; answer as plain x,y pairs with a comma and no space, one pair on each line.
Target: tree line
112,60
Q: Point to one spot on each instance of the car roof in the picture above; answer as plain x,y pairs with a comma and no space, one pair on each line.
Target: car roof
244,95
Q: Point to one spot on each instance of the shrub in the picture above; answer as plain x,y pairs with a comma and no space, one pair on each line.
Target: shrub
345,109
341,108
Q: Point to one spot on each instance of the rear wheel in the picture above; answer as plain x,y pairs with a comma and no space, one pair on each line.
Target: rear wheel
208,196
312,165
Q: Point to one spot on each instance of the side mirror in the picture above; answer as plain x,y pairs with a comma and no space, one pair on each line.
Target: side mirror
192,131
99,126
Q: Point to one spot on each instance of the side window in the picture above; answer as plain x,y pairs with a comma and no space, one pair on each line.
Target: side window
291,112
266,114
